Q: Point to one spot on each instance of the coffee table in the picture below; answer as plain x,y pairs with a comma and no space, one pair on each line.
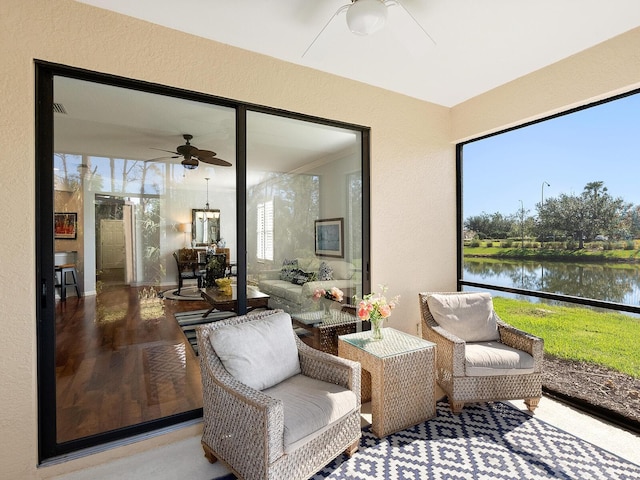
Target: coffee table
229,303
399,373
325,327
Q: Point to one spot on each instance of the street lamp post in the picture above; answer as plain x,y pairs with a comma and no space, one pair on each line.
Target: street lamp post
522,223
542,207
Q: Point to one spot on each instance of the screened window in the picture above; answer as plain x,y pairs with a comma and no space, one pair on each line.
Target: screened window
553,207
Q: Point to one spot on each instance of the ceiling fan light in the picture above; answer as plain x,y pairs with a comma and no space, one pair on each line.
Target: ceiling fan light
190,164
365,17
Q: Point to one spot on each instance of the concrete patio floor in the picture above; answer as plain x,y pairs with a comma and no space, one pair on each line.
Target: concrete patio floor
184,459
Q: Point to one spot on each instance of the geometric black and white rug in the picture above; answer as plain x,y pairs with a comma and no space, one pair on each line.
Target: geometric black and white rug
485,441
188,322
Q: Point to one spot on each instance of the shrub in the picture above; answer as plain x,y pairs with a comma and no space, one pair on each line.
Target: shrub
506,244
489,244
629,245
474,243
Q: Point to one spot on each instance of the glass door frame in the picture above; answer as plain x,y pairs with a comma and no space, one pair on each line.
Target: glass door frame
48,448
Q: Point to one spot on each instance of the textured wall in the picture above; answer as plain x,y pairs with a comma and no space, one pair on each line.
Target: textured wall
412,164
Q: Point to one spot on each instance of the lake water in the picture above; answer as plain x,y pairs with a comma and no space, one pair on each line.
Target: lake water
619,283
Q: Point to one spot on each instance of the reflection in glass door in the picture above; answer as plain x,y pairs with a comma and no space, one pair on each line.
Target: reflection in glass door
303,179
128,175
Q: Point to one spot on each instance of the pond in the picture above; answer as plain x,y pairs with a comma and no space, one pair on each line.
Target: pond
619,283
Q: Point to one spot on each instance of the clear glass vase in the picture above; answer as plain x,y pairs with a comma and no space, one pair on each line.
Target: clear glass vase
376,329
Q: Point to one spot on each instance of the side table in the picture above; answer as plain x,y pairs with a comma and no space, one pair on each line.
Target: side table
402,376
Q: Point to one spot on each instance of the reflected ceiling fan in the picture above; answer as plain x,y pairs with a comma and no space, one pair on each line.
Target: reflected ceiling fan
192,156
365,17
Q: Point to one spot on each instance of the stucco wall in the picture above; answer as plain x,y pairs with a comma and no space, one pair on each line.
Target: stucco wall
413,162
413,169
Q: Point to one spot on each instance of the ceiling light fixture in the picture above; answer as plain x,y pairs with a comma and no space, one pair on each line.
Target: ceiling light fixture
365,17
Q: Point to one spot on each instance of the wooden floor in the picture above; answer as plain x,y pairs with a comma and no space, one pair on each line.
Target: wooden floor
120,363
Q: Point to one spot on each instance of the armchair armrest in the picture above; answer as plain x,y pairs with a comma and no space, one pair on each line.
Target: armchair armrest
451,350
516,338
329,368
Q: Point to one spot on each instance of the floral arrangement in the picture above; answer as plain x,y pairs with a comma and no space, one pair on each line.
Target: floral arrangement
375,306
334,293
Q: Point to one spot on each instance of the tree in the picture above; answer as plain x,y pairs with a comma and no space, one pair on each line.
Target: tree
583,216
494,225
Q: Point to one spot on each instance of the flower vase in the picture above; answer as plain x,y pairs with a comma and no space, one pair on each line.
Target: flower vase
376,329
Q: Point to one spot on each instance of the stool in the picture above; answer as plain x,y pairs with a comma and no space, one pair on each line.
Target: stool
63,270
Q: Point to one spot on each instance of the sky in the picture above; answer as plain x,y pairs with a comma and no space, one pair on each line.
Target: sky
601,143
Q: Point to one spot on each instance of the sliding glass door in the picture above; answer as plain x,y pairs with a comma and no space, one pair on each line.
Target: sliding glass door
150,199
304,211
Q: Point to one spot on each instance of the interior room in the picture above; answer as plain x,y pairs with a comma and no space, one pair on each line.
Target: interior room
399,143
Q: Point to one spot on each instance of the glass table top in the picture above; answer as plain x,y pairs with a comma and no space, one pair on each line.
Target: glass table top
394,342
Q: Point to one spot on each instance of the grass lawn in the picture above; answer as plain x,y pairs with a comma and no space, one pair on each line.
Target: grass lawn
609,339
551,254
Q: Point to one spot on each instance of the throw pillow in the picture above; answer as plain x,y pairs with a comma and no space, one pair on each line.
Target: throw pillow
325,272
289,269
469,316
259,353
303,277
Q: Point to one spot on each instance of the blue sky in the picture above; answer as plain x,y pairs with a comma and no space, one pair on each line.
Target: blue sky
595,144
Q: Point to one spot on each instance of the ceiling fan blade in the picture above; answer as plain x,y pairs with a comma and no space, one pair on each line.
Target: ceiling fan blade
162,150
161,158
203,153
340,10
215,161
186,150
397,2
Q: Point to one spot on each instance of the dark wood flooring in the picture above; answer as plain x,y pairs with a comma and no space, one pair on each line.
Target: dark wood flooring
120,362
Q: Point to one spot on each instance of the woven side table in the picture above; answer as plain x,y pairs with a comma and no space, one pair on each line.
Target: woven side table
402,373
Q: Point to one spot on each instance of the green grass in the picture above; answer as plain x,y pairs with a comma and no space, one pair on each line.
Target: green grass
551,254
608,339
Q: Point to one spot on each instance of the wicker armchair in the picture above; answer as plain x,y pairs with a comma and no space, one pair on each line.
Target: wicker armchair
453,367
246,428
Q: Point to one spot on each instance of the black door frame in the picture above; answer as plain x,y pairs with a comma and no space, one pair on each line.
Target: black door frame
45,72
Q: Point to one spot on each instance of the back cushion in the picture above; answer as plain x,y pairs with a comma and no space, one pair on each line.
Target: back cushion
259,353
468,316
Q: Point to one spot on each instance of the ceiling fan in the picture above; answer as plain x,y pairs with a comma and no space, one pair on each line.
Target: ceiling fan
192,156
365,17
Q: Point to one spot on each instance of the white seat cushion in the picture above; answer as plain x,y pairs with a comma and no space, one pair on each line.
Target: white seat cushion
260,353
494,358
310,407
469,316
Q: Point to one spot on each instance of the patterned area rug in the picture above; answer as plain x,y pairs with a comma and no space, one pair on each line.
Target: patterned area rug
188,322
486,441
165,366
489,441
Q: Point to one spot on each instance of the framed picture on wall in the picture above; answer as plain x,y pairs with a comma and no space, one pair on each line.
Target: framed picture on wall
329,237
65,225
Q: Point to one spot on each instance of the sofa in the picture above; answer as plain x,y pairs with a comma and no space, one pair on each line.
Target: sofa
291,287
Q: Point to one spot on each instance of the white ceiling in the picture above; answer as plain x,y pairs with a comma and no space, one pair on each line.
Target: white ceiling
479,44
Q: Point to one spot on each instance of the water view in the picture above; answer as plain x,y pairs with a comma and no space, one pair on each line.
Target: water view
619,283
